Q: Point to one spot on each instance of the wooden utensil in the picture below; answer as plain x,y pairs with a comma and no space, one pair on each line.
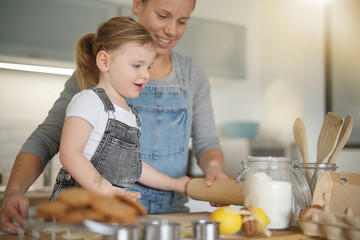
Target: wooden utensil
221,191
329,135
301,142
343,138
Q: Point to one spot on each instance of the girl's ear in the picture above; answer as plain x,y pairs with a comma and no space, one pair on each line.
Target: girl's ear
103,61
136,7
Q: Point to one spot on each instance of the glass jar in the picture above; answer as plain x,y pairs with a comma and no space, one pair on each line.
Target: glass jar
312,172
276,186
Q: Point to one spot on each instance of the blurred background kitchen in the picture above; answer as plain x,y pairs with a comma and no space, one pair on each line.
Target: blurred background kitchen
282,59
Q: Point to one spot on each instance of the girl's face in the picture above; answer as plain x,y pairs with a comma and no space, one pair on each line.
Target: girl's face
128,68
166,20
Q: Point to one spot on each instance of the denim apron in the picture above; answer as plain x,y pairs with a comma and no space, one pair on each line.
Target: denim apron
117,158
165,134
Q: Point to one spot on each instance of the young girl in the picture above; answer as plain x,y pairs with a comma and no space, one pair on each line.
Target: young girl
99,147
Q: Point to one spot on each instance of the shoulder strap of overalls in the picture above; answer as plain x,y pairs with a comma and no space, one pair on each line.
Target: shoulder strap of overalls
137,115
109,107
179,68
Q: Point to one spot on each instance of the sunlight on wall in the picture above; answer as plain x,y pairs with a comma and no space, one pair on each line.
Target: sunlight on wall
284,103
318,1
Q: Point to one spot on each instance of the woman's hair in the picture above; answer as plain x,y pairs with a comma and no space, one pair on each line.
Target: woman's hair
110,35
146,1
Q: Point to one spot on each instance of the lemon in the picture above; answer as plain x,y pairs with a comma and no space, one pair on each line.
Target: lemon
261,215
230,220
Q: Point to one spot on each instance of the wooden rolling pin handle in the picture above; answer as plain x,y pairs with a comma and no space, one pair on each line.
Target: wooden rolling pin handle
227,192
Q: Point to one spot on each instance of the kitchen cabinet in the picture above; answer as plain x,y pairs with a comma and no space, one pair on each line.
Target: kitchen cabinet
342,59
49,29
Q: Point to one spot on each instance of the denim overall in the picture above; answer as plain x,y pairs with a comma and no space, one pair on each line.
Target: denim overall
117,157
165,134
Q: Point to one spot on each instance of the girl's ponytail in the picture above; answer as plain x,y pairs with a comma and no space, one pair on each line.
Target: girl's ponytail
86,70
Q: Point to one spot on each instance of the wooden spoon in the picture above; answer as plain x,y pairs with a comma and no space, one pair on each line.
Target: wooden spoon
329,135
301,142
343,137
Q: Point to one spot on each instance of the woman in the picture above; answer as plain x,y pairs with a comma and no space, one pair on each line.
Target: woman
174,106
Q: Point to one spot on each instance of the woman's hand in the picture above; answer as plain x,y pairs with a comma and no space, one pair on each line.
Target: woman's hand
211,174
211,164
14,209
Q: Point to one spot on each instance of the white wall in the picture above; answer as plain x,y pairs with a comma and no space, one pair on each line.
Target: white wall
25,100
285,71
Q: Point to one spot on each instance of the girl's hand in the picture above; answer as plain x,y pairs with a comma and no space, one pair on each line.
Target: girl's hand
120,191
181,184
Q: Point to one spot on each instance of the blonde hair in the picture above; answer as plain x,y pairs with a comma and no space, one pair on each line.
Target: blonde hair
110,35
146,2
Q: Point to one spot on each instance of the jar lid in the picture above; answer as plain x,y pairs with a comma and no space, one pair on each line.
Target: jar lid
268,159
317,166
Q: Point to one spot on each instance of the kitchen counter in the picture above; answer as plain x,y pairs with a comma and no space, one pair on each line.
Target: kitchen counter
184,219
16,237
35,197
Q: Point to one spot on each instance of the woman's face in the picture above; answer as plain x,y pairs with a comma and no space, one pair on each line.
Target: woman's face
166,20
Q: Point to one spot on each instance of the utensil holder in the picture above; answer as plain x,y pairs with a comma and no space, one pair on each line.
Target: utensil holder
127,233
206,230
315,170
161,230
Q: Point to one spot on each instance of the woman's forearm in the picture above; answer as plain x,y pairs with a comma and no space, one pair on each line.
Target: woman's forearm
26,169
211,158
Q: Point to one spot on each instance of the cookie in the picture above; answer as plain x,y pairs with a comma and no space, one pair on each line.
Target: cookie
139,207
77,197
125,220
78,215
76,204
112,207
51,209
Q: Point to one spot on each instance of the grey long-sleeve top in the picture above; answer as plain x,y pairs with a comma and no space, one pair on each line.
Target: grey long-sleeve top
45,140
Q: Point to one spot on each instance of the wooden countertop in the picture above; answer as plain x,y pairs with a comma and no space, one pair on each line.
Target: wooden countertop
16,237
185,220
35,197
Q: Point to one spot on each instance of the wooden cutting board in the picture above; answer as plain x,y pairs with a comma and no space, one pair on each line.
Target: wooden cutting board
50,231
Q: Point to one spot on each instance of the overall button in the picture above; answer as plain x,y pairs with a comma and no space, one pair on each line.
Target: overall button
113,122
67,177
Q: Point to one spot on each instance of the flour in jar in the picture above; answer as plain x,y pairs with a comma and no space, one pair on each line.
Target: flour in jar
274,197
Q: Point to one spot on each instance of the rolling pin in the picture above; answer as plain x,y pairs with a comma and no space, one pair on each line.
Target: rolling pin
228,192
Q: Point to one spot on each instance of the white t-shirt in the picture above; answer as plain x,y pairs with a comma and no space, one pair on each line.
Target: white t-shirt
87,105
